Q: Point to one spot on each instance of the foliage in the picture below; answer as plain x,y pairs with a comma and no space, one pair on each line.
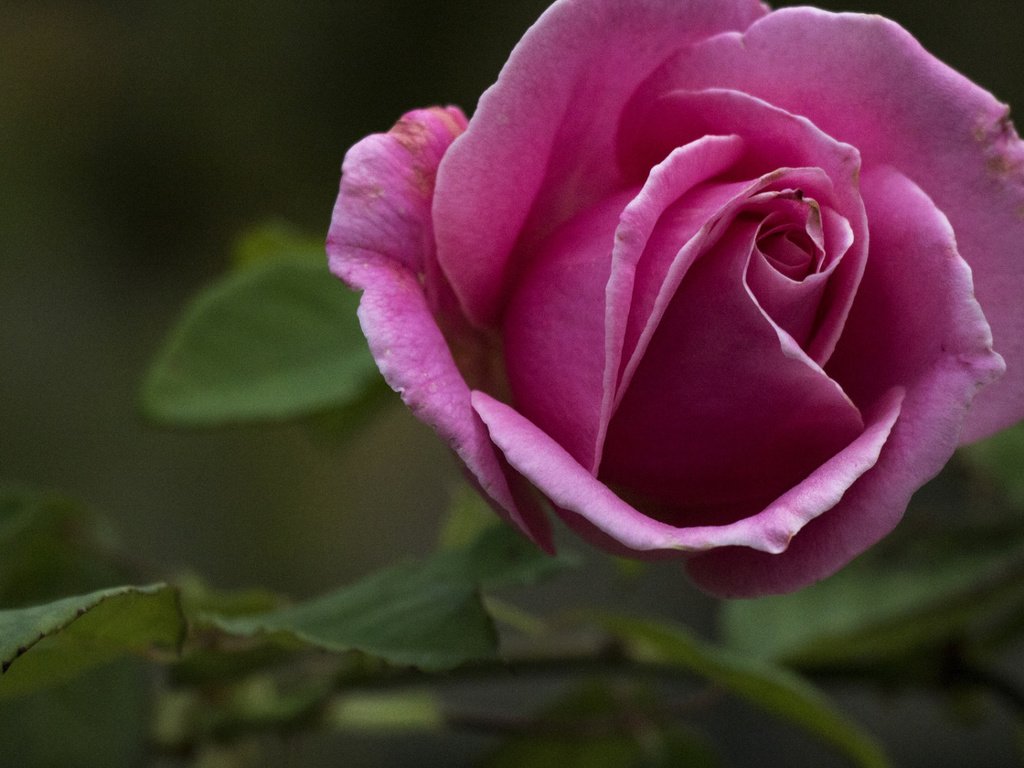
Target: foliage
201,675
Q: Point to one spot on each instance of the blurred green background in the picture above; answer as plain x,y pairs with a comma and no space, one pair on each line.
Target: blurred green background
138,140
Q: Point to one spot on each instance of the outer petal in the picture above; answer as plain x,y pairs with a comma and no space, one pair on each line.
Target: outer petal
552,118
381,241
866,81
942,357
594,510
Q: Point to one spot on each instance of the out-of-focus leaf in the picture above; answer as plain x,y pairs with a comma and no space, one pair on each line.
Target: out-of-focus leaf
50,546
279,340
203,662
388,710
197,597
596,727
47,644
1000,458
256,704
426,614
335,426
768,687
500,557
468,516
277,240
404,614
888,607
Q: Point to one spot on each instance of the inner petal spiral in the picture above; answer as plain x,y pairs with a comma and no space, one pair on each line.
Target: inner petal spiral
790,262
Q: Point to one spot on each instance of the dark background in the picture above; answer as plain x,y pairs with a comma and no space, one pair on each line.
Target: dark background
139,139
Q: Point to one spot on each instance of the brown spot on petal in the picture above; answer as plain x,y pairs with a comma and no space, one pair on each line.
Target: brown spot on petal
455,127
411,134
423,181
1002,147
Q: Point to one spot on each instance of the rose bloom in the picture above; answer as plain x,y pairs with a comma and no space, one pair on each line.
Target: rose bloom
722,284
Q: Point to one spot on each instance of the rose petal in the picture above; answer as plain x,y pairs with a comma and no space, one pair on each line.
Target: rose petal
554,330
724,412
940,352
918,305
866,81
582,59
772,139
383,206
591,508
562,343
380,242
631,292
684,168
713,208
794,303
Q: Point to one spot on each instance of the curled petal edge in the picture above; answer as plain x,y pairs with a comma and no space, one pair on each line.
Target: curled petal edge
571,487
381,242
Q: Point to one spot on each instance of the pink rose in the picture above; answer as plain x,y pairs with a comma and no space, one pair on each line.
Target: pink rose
721,284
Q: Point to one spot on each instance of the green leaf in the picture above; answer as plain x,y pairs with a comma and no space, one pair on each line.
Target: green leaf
501,557
49,546
889,607
404,614
391,711
277,240
999,458
336,425
427,614
468,516
768,687
276,341
47,644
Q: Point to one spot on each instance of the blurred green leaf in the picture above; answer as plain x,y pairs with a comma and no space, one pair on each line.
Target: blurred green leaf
468,516
336,425
416,710
999,459
204,662
597,726
426,614
404,614
49,546
277,240
197,597
501,557
47,644
275,341
768,687
889,606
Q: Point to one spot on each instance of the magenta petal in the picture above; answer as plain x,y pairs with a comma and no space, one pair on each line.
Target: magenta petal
592,504
627,302
794,302
941,356
916,304
383,206
713,208
380,242
724,412
866,81
554,330
582,58
773,140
